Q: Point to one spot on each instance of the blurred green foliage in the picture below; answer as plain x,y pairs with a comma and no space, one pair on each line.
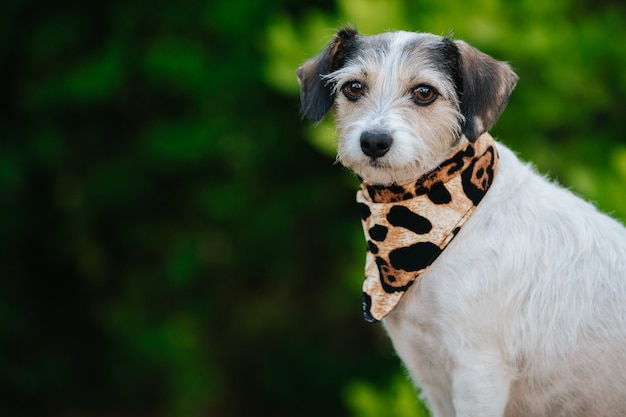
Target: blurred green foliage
176,241
396,399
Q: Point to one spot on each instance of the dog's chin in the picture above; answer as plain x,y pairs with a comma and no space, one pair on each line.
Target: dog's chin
379,171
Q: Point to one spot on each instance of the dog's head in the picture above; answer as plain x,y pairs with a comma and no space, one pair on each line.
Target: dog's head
403,100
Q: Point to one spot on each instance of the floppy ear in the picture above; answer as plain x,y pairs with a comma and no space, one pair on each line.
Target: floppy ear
316,94
487,85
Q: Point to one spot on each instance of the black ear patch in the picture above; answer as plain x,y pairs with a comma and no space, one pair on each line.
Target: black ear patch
316,94
485,89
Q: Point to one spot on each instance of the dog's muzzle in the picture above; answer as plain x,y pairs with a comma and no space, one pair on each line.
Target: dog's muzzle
375,143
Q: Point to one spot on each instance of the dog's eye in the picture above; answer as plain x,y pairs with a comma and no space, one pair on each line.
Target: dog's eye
423,94
353,90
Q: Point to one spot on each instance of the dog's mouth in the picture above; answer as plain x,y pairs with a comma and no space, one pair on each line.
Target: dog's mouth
377,163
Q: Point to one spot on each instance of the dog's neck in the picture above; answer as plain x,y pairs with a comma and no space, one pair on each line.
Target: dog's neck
407,226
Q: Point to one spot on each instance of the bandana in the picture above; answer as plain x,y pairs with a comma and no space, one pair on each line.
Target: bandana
407,226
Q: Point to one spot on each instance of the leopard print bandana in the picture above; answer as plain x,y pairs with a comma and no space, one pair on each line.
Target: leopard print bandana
408,225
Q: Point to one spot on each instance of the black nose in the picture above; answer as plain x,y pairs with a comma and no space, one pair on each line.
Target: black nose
375,143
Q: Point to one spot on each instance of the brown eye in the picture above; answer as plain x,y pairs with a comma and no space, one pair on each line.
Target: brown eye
423,95
353,90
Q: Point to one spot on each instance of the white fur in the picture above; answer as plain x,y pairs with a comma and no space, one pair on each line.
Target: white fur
422,136
524,313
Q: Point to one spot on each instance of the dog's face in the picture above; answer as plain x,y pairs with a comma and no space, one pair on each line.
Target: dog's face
402,101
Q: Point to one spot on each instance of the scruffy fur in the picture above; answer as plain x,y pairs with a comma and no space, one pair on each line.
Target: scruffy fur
524,313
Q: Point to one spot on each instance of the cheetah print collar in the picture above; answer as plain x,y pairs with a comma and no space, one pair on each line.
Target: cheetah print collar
407,226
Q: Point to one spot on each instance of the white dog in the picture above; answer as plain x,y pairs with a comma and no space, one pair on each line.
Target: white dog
503,293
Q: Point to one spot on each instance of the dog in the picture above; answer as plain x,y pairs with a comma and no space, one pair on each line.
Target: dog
515,308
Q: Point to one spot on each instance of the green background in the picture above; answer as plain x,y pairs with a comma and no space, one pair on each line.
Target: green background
176,241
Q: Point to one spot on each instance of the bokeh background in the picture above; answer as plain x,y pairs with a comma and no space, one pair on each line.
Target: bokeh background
176,241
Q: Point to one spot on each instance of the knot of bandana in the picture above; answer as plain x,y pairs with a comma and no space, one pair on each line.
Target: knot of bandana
407,226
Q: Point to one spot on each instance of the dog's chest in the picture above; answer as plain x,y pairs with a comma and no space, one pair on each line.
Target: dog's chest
408,226
416,336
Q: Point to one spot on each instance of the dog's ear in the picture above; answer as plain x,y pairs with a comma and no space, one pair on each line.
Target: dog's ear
487,85
316,94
